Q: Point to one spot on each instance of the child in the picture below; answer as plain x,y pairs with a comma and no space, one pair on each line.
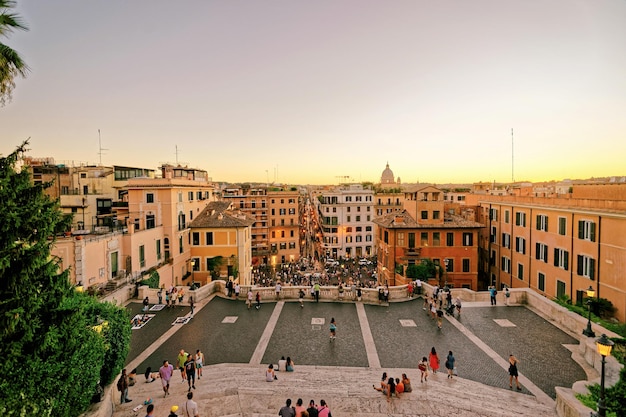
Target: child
333,329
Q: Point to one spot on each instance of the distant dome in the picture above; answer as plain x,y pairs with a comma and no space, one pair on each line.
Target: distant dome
387,176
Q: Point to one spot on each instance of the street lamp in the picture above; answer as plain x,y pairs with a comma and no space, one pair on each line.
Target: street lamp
446,262
604,346
588,331
193,264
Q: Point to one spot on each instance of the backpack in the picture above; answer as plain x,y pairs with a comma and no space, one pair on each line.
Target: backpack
189,367
120,384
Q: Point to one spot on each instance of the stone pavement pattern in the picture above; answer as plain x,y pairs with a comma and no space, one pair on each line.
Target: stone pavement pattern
341,371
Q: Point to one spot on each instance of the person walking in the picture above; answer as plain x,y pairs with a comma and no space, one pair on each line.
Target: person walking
146,304
165,372
507,294
190,409
160,295
317,292
433,360
237,290
199,358
249,299
258,300
333,329
439,318
122,387
181,360
423,367
190,371
301,297
457,303
513,373
191,305
450,363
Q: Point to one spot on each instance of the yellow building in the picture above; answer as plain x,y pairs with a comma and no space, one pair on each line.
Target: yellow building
221,244
284,228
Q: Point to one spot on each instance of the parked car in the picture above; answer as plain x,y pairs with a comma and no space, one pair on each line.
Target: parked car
331,262
364,261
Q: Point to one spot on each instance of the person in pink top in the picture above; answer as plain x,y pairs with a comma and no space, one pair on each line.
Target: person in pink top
165,372
323,410
433,359
299,408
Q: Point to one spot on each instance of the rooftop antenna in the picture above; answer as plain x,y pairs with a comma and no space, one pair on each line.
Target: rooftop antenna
512,158
100,148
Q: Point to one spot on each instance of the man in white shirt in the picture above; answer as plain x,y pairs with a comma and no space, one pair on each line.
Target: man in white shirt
190,408
278,288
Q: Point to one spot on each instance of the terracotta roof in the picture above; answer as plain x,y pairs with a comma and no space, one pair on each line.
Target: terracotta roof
403,220
220,214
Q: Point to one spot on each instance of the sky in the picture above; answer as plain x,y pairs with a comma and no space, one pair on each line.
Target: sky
328,91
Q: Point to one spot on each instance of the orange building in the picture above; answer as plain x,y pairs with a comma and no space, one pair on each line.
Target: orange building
284,229
558,246
425,230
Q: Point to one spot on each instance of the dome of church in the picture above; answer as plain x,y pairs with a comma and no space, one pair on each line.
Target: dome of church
387,176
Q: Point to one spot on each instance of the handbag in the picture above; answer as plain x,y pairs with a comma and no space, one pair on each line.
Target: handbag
454,371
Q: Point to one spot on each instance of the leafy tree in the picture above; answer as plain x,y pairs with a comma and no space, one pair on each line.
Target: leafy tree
424,270
54,353
11,64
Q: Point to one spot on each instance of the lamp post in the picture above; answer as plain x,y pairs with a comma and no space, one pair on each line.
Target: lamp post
193,264
445,271
588,331
604,346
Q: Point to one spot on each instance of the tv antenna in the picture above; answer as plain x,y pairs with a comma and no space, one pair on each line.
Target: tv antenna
100,148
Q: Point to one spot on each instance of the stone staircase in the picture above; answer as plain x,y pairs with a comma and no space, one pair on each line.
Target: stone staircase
241,390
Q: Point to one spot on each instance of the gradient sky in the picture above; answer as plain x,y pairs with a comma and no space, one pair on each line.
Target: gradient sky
309,91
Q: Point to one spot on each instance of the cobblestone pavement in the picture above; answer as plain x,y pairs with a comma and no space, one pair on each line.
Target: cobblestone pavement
297,332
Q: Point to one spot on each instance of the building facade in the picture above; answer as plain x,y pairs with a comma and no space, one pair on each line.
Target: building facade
558,247
427,230
346,213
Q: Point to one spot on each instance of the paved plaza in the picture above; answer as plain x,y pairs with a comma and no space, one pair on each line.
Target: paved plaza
369,337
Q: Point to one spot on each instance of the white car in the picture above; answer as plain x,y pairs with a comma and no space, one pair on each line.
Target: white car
332,262
365,262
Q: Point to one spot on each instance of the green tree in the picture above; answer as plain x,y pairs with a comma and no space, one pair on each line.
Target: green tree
424,270
11,64
57,344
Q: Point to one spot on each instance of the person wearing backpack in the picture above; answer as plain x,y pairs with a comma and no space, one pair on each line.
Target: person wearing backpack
122,387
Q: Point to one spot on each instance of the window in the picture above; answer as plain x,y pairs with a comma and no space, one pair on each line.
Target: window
195,264
436,239
292,211
436,214
506,240
449,239
506,264
386,237
158,249
506,216
291,233
424,215
541,252
283,245
348,218
282,233
560,288
493,234
587,230
348,239
358,209
282,211
468,239
142,256
358,218
561,258
520,272
181,248
348,229
209,238
493,214
424,238
542,222
466,265
368,228
195,238
541,281
586,266
359,238
562,226
368,238
149,198
400,239
520,245
190,195
520,219
449,263
492,258
292,245
348,209
150,222
273,234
